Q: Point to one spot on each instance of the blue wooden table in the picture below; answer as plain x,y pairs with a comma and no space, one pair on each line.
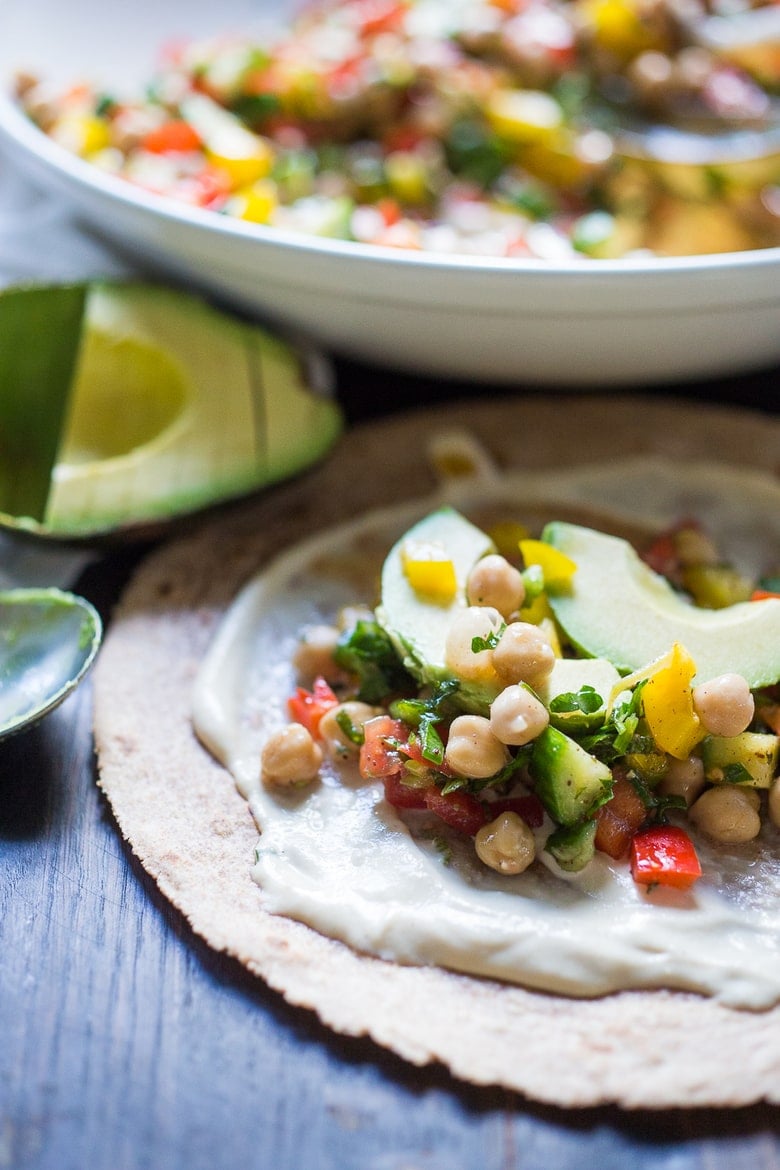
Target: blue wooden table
125,1042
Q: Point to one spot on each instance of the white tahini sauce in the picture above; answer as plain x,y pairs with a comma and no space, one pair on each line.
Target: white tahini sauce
339,858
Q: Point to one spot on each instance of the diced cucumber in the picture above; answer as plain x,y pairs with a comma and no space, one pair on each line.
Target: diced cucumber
573,846
570,782
732,759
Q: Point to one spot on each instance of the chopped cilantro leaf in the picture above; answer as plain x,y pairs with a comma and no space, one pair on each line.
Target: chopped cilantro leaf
352,732
736,774
494,637
367,652
423,715
586,699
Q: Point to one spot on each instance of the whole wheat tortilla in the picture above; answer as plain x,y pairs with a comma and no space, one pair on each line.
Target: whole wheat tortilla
183,817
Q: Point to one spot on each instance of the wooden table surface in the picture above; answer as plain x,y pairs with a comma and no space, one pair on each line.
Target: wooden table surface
126,1042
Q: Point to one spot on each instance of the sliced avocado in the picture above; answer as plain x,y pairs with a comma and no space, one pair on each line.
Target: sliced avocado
570,782
417,625
570,675
573,846
750,758
618,608
156,404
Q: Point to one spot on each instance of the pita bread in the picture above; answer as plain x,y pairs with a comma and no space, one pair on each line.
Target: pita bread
181,813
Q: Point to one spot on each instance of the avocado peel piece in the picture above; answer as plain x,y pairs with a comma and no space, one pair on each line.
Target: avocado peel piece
128,405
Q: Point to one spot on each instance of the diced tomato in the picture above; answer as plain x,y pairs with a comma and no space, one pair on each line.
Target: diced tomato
619,819
379,756
664,855
763,594
662,556
402,795
379,16
529,808
459,810
389,209
402,137
308,707
174,137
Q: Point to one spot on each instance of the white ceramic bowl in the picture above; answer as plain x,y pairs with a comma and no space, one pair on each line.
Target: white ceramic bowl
589,324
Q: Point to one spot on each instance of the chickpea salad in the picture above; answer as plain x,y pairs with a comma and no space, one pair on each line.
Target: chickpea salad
480,712
551,129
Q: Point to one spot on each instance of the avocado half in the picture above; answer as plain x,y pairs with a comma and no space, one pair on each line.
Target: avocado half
619,609
130,404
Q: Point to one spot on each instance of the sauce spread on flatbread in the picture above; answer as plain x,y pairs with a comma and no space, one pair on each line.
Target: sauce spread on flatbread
338,857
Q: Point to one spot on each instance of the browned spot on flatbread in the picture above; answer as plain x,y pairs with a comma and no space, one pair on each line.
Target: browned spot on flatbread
185,820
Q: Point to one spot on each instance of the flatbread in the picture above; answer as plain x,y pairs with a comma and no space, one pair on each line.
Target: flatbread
181,814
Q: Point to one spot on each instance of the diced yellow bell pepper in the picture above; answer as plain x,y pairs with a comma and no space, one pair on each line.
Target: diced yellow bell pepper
667,701
619,27
84,134
524,115
243,156
429,571
537,611
558,569
256,203
407,177
249,162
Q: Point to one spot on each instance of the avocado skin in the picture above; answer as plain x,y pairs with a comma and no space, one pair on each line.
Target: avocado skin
418,626
618,608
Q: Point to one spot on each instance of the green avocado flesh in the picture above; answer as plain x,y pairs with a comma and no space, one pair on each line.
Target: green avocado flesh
129,404
418,626
619,609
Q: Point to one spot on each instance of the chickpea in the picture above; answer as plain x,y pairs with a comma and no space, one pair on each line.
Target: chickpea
517,716
506,844
335,741
477,621
314,653
728,813
290,758
724,704
683,778
773,802
524,654
472,748
493,581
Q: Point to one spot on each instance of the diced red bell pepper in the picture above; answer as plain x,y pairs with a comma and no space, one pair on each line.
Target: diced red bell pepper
459,810
379,755
402,795
529,808
619,819
308,707
662,556
174,137
664,855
